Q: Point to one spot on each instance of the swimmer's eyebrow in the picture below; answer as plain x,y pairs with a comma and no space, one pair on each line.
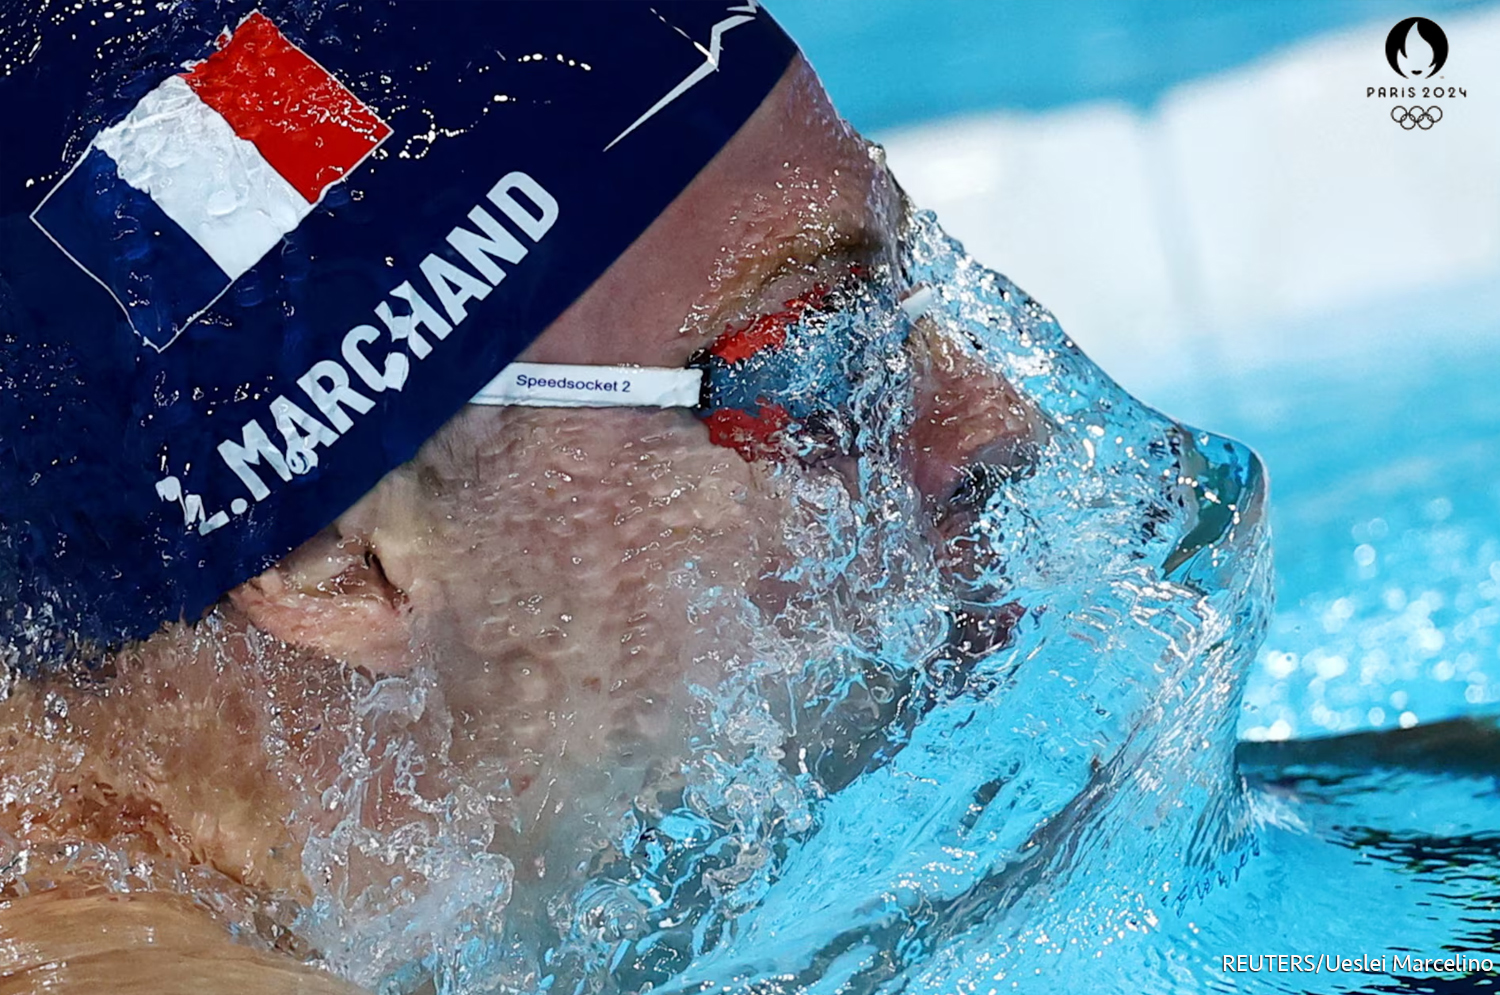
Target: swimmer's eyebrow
822,257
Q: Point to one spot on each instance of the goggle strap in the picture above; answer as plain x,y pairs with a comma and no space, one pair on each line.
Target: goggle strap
559,385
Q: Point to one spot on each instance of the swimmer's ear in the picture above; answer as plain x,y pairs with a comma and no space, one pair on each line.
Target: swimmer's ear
331,596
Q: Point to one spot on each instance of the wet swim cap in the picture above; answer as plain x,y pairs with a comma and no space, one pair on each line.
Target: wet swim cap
255,255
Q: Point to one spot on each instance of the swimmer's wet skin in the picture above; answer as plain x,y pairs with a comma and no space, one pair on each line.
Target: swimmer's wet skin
530,560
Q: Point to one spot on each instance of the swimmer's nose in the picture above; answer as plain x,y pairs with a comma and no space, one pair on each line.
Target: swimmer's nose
971,425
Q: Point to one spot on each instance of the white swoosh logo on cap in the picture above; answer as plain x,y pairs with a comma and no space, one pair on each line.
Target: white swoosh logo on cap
744,15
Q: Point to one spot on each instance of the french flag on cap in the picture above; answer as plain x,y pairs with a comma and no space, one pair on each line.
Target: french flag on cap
205,175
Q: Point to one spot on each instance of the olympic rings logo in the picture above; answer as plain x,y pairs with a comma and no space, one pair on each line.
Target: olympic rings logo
1416,117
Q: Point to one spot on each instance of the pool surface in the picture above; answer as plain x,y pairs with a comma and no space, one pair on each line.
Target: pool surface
1387,524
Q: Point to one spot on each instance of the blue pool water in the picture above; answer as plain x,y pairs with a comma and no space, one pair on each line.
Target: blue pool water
939,58
1387,523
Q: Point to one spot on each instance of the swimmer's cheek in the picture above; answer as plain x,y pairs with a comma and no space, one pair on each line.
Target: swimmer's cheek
967,415
138,945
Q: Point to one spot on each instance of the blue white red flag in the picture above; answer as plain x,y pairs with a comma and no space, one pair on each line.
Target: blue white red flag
205,175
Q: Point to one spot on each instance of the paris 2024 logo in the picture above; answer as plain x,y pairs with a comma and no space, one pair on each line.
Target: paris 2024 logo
1417,49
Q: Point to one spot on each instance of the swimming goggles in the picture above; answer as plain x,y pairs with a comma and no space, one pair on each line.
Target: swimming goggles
749,386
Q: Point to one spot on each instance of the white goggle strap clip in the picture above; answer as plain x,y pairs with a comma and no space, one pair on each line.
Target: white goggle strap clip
559,385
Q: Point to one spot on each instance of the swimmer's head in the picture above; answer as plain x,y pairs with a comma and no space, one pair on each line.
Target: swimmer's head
250,265
549,565
210,366
304,442
571,572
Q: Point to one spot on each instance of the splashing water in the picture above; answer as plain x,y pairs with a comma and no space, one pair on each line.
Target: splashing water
995,756
913,775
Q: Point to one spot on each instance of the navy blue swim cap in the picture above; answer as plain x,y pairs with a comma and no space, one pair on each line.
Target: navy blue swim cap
254,255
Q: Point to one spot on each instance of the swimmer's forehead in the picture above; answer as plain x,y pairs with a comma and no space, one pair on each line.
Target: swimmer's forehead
791,201
257,260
